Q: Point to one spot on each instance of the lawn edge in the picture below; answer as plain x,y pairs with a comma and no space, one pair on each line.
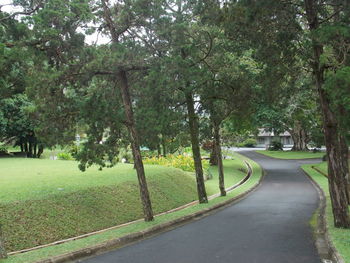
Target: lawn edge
323,240
152,231
293,159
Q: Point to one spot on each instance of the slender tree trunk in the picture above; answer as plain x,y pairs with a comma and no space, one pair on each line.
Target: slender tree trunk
219,158
159,150
337,164
164,147
40,150
145,198
213,155
30,150
194,132
124,88
2,245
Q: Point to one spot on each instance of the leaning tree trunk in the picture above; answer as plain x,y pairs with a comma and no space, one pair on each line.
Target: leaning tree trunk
219,158
337,163
124,88
146,201
194,132
2,245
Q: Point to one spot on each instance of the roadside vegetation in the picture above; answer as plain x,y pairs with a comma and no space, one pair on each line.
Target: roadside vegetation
340,237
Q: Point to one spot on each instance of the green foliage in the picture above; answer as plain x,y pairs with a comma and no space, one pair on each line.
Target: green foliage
250,142
276,145
65,156
183,162
14,117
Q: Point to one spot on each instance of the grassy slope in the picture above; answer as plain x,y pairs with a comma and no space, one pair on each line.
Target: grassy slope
291,155
92,240
43,200
340,237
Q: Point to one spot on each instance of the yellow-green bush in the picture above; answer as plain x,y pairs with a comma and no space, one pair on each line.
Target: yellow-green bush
183,162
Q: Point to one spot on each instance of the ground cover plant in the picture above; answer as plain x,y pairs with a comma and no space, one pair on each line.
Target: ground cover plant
41,254
292,154
340,237
183,162
45,200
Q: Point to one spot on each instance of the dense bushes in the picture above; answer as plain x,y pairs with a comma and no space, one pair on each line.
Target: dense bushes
250,142
276,146
183,162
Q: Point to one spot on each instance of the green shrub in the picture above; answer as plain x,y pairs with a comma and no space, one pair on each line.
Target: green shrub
249,142
3,149
183,162
65,156
276,146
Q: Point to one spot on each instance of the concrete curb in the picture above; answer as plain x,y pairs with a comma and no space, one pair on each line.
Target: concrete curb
324,244
138,236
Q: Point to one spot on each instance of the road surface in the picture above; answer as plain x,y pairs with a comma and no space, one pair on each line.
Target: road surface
271,225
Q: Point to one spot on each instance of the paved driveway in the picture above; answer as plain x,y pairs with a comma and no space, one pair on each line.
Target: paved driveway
271,225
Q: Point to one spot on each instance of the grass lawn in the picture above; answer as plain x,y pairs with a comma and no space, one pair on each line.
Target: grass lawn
42,200
235,170
340,237
112,234
291,154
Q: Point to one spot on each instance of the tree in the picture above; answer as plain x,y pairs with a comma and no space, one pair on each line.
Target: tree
276,30
337,148
16,125
228,91
75,69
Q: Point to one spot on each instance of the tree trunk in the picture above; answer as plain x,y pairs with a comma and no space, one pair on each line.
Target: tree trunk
40,150
159,150
164,147
219,158
146,201
213,155
300,138
194,132
124,88
2,246
337,164
345,151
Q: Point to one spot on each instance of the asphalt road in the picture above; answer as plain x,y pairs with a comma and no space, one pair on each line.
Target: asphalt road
271,225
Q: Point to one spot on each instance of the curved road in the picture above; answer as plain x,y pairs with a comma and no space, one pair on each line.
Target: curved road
271,225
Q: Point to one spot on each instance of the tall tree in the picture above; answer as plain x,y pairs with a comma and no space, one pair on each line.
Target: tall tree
337,148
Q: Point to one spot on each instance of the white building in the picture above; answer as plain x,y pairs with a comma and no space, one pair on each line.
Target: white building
265,138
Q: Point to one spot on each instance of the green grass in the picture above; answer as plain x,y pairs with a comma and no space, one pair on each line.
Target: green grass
291,154
234,171
339,237
43,200
73,245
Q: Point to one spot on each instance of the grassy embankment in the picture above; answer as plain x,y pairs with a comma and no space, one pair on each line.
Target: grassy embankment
339,237
291,154
43,201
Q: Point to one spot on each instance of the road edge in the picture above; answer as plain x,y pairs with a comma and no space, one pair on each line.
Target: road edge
323,242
